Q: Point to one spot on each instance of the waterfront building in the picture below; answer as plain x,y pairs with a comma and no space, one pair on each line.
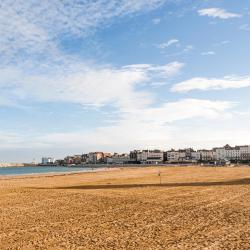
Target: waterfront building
48,160
195,156
150,156
84,158
118,159
95,157
228,153
180,155
98,157
188,155
207,155
155,156
69,160
134,156
173,156
77,159
245,153
146,156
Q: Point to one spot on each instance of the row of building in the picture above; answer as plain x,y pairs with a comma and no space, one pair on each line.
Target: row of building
188,155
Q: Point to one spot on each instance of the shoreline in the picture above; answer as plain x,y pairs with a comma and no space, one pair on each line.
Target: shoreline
52,174
104,169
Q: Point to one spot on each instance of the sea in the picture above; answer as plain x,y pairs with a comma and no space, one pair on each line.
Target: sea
10,171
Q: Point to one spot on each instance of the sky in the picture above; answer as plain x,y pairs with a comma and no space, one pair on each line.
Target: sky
116,75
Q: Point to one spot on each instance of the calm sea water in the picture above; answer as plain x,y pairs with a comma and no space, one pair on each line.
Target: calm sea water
41,170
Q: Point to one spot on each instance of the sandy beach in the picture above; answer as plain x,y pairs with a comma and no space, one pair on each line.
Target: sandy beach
193,208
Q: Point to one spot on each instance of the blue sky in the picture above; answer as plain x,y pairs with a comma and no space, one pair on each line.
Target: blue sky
80,76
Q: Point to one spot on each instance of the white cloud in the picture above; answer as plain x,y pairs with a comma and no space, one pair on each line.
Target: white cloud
217,13
140,127
168,43
32,29
199,83
208,53
13,140
152,127
34,32
180,110
34,26
126,135
83,84
204,135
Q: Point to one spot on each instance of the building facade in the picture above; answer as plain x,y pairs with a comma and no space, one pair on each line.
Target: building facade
48,160
229,153
207,155
118,159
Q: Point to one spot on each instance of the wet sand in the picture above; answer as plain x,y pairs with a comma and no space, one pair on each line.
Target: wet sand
193,208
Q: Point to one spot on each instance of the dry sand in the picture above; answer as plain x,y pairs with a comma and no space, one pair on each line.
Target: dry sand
194,208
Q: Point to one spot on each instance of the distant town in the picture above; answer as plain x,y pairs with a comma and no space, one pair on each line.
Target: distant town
216,156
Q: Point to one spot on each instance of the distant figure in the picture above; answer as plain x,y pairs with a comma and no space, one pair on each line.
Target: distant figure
159,174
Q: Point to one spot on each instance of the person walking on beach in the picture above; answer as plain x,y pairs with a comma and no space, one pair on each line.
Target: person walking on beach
159,174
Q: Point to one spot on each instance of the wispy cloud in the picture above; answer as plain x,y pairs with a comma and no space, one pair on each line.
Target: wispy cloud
208,53
168,43
177,110
199,83
134,124
82,84
163,71
34,26
217,13
31,31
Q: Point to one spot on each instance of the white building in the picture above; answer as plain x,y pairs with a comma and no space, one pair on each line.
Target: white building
174,156
207,155
195,155
220,153
95,157
233,153
150,156
155,156
48,160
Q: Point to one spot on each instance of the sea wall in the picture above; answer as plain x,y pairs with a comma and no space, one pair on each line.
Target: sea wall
7,164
